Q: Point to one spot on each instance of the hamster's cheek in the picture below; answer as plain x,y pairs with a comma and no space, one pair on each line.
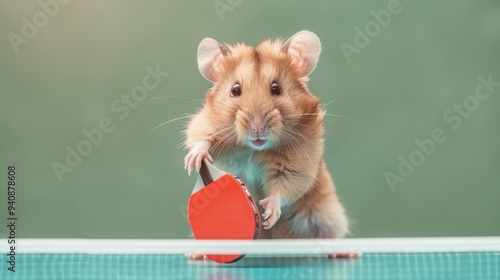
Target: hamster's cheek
275,122
241,126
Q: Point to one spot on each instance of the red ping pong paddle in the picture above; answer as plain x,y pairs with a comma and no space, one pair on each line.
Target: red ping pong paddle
221,207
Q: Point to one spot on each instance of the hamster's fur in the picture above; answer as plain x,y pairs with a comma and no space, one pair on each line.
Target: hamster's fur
260,122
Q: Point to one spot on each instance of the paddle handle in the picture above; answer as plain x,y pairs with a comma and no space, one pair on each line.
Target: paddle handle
205,174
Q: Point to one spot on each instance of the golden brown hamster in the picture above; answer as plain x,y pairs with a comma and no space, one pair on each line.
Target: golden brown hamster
260,122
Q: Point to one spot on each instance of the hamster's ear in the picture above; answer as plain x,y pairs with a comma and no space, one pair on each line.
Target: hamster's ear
304,47
210,53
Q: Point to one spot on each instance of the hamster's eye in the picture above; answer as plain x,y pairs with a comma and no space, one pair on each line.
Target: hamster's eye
275,88
236,90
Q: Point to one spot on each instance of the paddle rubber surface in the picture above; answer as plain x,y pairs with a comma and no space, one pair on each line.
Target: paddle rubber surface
223,209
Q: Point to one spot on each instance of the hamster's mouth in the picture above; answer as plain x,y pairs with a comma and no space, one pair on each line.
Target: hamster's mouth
259,142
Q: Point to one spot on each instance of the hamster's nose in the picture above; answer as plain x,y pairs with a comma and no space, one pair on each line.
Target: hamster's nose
258,127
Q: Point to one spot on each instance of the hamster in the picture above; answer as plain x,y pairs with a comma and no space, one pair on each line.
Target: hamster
260,122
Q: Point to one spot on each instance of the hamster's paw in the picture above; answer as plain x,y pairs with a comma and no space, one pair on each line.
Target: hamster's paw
196,257
272,211
196,155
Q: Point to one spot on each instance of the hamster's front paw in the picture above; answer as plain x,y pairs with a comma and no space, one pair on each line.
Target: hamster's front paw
196,155
272,210
196,257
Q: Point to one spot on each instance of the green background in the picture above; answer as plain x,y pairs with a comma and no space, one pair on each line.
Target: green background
132,185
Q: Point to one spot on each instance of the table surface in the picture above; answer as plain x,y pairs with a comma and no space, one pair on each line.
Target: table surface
156,266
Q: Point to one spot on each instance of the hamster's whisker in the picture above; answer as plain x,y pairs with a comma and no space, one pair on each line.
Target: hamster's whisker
182,141
172,96
329,103
300,116
334,138
218,132
306,114
196,100
169,121
294,142
331,115
300,146
227,143
224,127
218,126
221,142
298,134
328,156
287,144
327,120
346,95
347,118
308,127
224,136
231,141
